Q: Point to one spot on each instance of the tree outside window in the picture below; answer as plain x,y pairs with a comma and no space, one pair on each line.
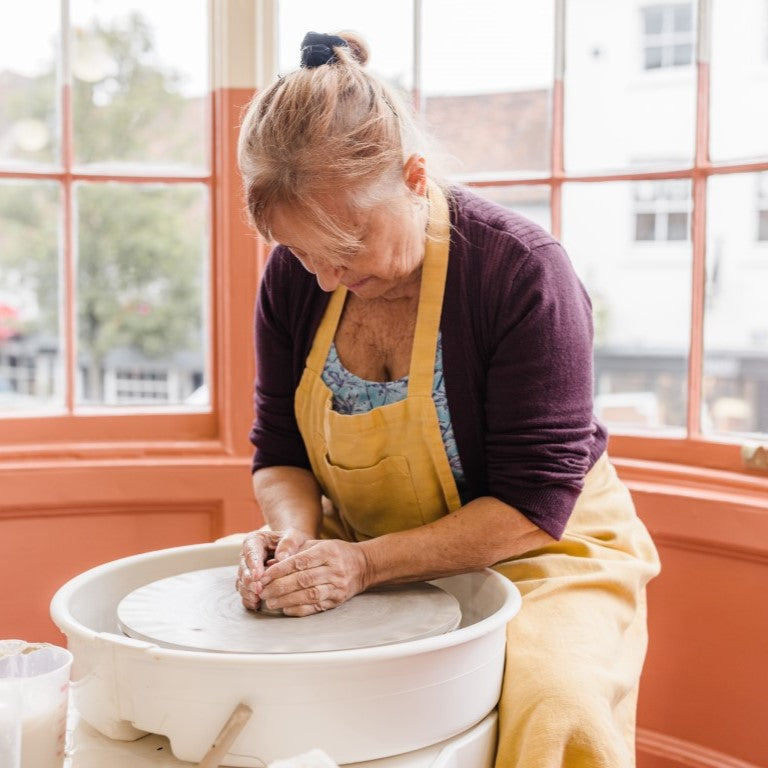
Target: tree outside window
113,180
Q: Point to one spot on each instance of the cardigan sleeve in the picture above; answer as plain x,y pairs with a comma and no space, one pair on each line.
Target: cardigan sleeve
275,433
538,406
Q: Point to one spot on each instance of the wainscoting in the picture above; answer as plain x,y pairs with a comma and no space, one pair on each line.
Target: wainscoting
70,518
703,700
704,694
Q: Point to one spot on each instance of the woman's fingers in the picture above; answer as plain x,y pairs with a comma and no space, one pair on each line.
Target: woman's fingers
321,576
262,549
289,543
313,556
253,557
312,599
256,549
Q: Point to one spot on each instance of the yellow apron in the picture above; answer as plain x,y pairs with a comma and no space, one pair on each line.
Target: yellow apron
575,651
384,470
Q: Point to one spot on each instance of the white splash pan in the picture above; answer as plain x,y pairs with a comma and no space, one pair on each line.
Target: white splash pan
356,705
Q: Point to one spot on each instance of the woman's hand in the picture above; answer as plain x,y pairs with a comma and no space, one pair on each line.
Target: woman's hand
321,576
260,549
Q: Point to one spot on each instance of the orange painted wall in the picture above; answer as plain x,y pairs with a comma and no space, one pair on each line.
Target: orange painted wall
78,492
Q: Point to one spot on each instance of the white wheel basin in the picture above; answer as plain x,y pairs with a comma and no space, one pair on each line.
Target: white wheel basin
356,705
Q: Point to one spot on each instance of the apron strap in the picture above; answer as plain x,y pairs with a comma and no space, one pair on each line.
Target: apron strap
433,275
326,331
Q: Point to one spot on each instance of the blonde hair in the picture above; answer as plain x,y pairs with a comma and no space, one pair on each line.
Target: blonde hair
329,132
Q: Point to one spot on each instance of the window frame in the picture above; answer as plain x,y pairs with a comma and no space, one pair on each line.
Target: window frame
211,431
115,430
694,448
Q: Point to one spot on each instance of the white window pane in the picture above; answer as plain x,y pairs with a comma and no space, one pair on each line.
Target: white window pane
653,59
682,55
641,353
739,83
762,225
653,19
29,115
620,112
487,82
682,18
735,386
31,372
677,226
645,226
141,83
531,201
142,252
386,28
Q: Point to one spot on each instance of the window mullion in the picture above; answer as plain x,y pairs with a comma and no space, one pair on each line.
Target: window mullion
418,90
557,164
699,222
68,280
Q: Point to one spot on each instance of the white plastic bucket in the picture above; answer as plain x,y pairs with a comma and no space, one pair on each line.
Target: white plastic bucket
34,693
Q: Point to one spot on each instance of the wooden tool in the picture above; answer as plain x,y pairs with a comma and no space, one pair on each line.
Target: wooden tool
226,736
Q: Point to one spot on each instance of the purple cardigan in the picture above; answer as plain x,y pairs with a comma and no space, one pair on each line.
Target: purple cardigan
517,357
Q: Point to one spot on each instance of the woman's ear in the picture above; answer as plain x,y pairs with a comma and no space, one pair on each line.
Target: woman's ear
415,174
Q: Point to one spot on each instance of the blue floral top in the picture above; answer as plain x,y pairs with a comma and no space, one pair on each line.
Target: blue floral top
352,395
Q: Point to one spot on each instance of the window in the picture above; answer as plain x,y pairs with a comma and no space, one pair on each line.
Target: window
735,375
105,203
491,116
616,117
662,210
612,160
762,207
738,121
667,36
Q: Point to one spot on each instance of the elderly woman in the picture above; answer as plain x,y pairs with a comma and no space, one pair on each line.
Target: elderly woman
424,407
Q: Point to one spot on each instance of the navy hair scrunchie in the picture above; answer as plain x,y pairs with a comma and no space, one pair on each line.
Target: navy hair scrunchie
317,49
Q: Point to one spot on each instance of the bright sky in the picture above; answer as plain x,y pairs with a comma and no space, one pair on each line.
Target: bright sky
178,44
515,52
511,41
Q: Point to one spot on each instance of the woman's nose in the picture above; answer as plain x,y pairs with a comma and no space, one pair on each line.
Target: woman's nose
328,278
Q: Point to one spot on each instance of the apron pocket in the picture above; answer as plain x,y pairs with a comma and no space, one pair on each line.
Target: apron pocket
378,499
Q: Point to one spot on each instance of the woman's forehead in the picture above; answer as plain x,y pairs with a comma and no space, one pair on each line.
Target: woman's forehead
302,226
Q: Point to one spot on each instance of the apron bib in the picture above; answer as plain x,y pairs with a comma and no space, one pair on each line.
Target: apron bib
385,470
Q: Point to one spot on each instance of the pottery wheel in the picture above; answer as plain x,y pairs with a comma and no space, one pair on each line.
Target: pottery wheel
202,611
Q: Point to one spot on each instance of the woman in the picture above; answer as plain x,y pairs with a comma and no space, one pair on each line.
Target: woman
424,407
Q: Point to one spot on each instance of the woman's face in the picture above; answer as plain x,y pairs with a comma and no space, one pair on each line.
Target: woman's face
388,263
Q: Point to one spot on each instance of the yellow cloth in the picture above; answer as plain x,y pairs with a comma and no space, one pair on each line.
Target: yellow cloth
576,649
